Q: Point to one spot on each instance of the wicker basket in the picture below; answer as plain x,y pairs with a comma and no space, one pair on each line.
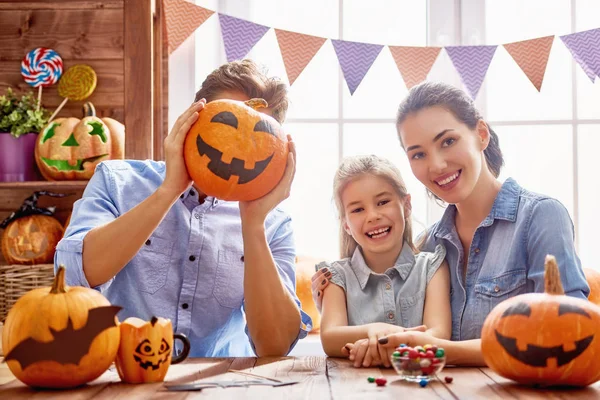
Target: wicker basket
16,280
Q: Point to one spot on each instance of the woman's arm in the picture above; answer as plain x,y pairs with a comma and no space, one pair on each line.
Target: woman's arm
437,315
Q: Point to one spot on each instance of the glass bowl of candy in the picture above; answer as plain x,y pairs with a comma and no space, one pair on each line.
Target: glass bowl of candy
419,363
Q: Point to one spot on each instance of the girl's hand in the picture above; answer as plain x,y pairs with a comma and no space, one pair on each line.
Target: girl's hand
360,353
378,330
319,282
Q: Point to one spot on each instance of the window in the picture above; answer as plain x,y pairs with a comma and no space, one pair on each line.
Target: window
549,139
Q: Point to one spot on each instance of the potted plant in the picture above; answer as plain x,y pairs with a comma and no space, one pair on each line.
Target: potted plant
20,122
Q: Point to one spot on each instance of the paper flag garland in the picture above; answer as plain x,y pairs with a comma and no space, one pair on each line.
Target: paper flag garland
182,19
471,63
297,50
239,36
414,63
355,60
585,48
532,56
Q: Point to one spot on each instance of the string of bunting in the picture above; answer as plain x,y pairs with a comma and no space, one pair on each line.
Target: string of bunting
356,58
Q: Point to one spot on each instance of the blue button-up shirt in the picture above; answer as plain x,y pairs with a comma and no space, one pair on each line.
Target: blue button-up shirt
507,255
191,270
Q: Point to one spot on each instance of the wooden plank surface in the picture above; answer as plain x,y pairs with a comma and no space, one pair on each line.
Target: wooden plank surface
59,4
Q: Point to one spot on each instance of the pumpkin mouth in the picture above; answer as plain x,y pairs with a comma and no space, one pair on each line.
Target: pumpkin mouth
236,168
150,364
537,356
63,165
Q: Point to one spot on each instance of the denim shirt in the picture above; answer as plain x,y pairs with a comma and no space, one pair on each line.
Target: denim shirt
507,255
190,270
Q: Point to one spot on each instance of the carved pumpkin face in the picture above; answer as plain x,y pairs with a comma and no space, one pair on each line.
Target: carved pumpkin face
541,338
234,152
69,148
31,240
146,349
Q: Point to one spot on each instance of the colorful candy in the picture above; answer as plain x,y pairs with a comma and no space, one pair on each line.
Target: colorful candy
423,382
371,379
380,381
448,379
78,83
41,67
418,363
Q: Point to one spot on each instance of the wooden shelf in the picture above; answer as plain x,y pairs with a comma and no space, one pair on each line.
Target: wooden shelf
44,185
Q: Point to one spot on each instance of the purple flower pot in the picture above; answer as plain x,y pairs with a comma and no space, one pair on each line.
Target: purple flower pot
17,162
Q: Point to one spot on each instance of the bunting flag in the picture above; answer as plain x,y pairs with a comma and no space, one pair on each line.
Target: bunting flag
585,48
471,63
532,56
297,50
182,18
414,63
239,36
355,59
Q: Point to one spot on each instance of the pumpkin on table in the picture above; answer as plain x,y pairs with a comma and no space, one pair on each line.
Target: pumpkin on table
234,152
305,269
593,279
546,339
146,350
70,149
60,337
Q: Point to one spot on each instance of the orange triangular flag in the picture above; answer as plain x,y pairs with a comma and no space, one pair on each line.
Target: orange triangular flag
182,19
297,50
414,63
532,56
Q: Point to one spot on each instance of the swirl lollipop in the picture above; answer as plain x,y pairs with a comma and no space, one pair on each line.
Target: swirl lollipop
41,67
78,83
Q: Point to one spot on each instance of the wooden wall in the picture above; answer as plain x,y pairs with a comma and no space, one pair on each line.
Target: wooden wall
123,41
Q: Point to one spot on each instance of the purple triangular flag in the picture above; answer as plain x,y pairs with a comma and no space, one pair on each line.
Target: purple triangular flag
239,36
471,63
585,48
355,59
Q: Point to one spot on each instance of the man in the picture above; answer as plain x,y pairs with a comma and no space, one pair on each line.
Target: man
223,272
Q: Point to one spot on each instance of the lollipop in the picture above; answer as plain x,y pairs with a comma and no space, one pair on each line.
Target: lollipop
41,67
78,83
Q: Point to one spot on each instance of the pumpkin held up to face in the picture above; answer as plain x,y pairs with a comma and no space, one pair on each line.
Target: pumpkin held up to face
60,337
234,152
546,339
70,149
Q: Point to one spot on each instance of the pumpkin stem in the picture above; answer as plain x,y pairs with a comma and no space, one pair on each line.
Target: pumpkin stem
58,286
257,103
154,320
89,110
552,276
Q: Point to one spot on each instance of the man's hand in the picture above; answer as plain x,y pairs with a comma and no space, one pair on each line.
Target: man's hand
177,180
256,211
319,282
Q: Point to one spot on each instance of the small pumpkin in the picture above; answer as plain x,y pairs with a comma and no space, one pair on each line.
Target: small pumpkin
234,152
69,148
305,269
146,349
593,279
546,339
31,240
60,337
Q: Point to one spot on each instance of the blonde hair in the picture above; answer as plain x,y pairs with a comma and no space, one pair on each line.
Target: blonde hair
354,167
246,77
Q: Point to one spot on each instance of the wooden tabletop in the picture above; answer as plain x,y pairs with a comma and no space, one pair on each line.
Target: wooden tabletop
319,378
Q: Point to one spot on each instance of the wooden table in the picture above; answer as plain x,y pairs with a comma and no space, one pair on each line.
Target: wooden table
320,378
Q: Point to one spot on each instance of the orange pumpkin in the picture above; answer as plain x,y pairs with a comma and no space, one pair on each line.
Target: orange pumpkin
305,269
544,338
593,278
31,240
69,148
60,337
234,152
146,349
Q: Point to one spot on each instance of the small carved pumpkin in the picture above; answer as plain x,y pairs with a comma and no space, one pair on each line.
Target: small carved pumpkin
593,279
31,240
60,337
544,338
146,349
69,148
234,152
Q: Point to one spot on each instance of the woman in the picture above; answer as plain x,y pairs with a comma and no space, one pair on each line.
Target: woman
496,234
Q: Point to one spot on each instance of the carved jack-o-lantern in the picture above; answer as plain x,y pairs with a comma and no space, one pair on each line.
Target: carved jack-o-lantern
234,152
69,148
146,350
544,338
31,240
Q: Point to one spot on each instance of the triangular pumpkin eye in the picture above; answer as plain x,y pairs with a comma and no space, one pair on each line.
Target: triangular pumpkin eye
227,118
264,126
71,141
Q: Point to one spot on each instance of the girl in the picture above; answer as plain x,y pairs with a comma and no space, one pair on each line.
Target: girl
496,234
380,285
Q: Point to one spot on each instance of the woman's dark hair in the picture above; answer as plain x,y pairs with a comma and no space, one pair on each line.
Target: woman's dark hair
431,94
